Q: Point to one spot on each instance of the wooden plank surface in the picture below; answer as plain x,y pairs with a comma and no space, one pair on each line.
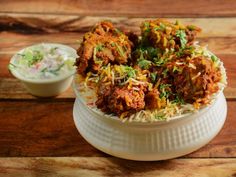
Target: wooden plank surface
46,128
107,167
223,47
194,8
41,132
34,23
10,42
11,88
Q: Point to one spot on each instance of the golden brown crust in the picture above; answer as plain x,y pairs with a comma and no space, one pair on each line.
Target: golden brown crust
102,45
164,68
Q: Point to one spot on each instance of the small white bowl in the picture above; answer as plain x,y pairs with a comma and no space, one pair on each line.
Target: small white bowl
46,87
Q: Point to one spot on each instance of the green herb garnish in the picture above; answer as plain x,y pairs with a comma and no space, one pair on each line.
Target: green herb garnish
178,100
160,61
118,31
164,90
11,66
177,69
165,72
162,26
112,44
182,36
99,47
31,56
52,50
153,77
160,117
191,27
214,58
152,52
146,24
55,71
144,64
131,72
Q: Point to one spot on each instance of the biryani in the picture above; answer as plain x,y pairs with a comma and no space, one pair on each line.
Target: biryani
157,75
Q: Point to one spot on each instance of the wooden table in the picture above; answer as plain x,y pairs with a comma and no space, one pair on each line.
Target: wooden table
38,136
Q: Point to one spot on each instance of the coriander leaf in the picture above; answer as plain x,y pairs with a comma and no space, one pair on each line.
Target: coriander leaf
160,117
146,29
131,72
28,55
11,66
52,50
182,36
44,70
118,31
112,44
157,28
146,24
191,27
32,57
177,69
214,58
153,77
164,90
99,47
177,22
144,64
152,52
178,100
55,71
180,52
162,26
160,61
165,72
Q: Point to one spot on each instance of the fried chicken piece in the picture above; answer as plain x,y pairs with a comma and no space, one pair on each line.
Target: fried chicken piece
164,34
152,100
124,99
196,79
103,92
104,44
134,38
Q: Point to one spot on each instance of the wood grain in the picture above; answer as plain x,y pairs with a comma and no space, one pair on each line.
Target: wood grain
194,8
108,167
46,128
30,24
38,136
13,89
10,43
40,128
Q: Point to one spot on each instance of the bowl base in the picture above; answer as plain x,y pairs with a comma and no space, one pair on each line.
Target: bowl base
150,141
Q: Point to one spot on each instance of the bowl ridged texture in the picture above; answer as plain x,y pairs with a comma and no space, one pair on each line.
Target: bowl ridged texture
151,141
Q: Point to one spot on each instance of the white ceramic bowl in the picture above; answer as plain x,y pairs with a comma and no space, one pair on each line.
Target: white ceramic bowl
150,141
47,87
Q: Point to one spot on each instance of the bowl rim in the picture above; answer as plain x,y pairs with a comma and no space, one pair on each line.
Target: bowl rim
102,115
43,81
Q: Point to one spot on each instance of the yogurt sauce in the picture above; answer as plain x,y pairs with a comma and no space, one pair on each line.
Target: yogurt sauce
44,61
